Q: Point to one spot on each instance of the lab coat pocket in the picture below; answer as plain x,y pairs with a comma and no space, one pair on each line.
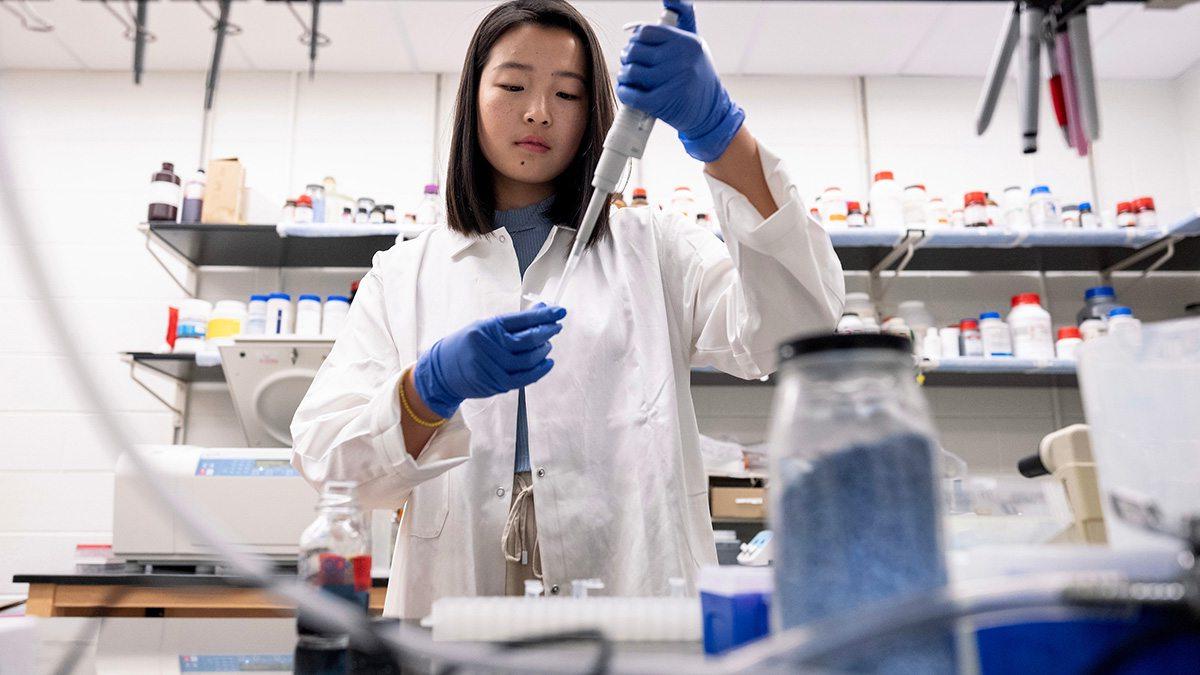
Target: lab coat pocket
428,506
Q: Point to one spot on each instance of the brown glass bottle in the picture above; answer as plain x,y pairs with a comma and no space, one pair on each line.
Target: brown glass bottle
164,195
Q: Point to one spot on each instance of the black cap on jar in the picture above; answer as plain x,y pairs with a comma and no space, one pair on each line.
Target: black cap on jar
825,342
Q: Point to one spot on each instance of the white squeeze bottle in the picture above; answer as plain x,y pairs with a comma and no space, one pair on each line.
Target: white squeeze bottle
1032,334
887,203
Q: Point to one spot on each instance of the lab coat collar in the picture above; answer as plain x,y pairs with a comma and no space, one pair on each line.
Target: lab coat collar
459,242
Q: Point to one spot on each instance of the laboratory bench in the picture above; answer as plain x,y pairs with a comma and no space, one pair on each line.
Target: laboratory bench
158,594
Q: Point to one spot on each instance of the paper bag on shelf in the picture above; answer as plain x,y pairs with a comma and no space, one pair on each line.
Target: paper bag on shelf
223,191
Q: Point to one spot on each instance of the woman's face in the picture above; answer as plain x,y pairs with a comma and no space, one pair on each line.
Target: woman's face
533,104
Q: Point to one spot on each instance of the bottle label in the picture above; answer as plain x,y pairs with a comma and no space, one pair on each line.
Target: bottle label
164,192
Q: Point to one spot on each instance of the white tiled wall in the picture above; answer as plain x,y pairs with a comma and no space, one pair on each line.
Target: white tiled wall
85,145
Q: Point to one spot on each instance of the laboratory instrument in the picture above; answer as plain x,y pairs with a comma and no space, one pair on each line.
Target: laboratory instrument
626,140
1031,26
254,492
1067,455
854,477
268,377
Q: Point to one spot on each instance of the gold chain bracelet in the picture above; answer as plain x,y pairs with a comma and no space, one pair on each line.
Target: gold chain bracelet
408,408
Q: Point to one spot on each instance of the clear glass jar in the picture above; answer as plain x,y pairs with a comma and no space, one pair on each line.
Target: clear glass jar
335,557
855,486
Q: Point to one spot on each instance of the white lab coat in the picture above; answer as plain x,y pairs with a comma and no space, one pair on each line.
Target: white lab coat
620,490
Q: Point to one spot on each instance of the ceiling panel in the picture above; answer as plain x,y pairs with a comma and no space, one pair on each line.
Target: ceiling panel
825,38
838,38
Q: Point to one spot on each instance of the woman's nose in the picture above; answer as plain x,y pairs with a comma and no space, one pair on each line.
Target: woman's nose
533,118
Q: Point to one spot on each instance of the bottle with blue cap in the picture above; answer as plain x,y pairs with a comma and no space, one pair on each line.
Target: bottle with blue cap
256,315
997,341
1122,323
1087,218
1098,300
308,315
279,314
333,315
1043,210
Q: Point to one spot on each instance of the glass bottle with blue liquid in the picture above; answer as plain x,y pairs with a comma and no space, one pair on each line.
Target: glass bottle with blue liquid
335,557
855,493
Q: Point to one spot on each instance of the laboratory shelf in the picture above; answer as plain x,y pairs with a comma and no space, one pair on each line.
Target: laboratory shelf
864,249
1001,250
181,367
203,245
981,372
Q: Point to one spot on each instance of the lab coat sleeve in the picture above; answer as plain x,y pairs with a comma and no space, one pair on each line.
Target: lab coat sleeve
771,280
348,425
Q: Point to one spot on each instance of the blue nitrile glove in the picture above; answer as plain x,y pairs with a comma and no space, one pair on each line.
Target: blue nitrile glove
488,357
667,72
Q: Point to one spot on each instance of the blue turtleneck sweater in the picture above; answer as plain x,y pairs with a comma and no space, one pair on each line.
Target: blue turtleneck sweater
528,227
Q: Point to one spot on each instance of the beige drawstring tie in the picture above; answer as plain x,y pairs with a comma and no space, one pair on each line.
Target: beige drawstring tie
514,541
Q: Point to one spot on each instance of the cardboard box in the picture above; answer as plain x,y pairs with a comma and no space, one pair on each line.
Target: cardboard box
736,503
226,179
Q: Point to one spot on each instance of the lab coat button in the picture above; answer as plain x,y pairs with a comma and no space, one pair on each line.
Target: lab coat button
541,473
500,492
554,589
502,239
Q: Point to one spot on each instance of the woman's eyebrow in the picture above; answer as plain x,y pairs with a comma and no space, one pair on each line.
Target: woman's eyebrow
514,65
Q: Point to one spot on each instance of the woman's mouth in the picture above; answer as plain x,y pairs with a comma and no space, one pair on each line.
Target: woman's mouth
534,144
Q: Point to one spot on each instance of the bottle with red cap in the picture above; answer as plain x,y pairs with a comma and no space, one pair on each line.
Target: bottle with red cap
1032,331
854,215
1069,339
969,338
975,209
1147,217
304,209
1126,215
639,198
887,204
916,206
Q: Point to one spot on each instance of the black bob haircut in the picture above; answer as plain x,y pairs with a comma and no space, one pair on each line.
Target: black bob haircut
470,189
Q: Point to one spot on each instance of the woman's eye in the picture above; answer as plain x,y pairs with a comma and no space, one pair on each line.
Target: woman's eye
512,87
568,97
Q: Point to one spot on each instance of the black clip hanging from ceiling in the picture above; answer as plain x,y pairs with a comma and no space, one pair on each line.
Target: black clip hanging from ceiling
214,68
312,37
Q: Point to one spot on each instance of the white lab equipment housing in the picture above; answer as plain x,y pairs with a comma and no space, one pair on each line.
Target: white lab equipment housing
257,497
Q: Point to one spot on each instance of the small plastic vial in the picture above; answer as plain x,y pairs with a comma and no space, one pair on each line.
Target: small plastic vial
854,215
1088,219
1147,217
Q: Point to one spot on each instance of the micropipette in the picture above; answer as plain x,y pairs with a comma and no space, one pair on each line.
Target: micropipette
625,140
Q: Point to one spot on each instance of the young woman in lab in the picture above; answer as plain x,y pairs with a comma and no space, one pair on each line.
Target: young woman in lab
440,392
